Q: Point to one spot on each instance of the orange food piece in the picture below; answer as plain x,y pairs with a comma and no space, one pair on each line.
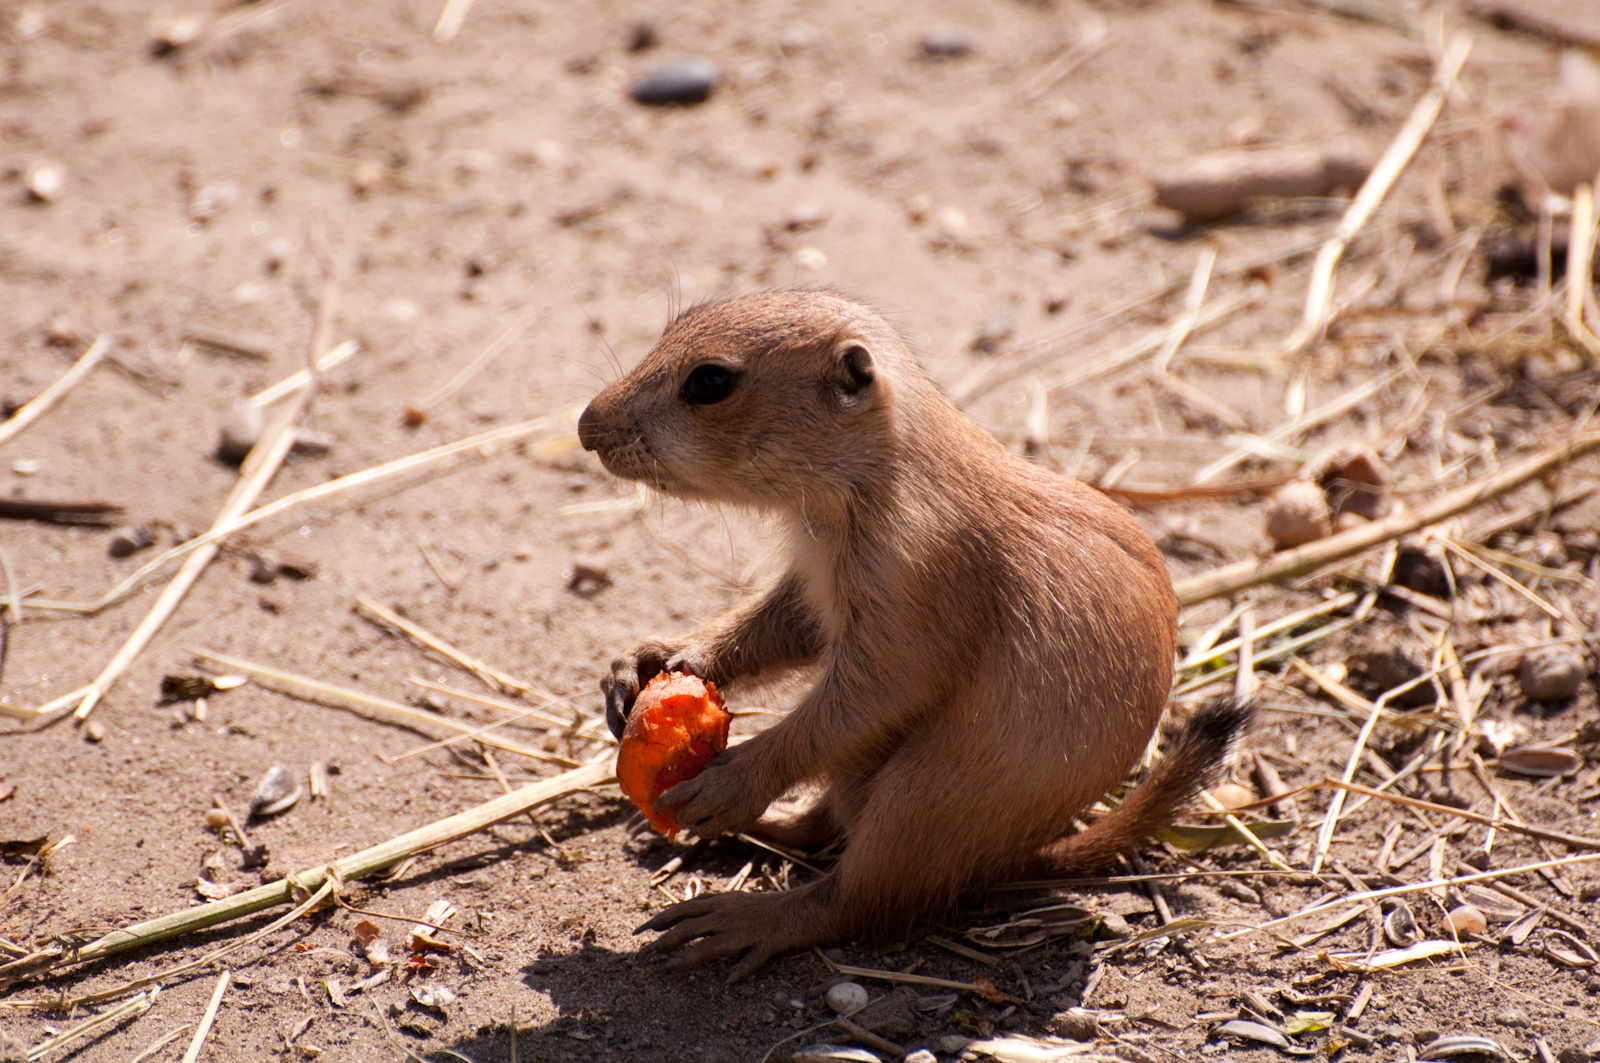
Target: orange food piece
678,724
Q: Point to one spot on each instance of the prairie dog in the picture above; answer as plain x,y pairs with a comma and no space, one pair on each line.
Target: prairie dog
996,640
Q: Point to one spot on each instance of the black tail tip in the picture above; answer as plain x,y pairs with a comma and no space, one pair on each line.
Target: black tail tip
1218,724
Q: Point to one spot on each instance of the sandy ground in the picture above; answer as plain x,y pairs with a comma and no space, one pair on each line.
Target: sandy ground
504,178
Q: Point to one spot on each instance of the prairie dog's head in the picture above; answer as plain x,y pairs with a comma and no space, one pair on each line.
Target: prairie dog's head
777,400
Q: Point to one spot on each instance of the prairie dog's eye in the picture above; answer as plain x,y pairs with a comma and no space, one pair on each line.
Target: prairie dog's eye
709,383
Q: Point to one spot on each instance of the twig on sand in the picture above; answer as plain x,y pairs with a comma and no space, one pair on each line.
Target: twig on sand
391,711
301,377
162,1042
451,19
1193,300
1330,820
1303,560
412,462
1319,297
497,703
1415,887
1090,39
1155,340
491,676
261,466
137,1006
48,397
102,513
1283,433
1507,16
1511,825
1580,254
1031,355
286,891
208,1018
472,368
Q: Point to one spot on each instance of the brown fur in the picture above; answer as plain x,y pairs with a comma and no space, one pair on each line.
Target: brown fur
996,640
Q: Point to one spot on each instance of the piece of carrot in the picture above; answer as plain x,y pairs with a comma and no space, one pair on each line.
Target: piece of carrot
677,726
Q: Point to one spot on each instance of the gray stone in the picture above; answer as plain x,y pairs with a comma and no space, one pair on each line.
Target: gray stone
942,42
683,81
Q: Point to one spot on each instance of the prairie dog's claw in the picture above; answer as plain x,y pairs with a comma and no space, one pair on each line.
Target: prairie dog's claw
617,707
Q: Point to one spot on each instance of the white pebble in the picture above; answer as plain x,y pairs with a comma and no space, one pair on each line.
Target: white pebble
45,180
847,998
810,258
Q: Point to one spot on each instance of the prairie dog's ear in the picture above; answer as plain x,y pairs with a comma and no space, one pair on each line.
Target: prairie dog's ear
852,374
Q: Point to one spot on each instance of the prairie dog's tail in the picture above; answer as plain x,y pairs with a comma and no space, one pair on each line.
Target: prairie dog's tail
1187,766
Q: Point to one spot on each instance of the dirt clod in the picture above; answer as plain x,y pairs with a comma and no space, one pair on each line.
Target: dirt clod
1553,673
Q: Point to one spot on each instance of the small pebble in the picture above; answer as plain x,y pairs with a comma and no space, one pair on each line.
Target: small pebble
994,332
26,466
216,819
1354,1037
811,258
1113,925
805,217
1356,483
1238,891
1511,1017
682,81
1553,673
176,34
309,443
277,792
921,1055
847,998
1233,795
942,42
1383,668
588,576
241,430
1421,570
94,731
262,570
129,541
1077,1024
44,180
797,37
642,37
951,1043
30,23
1299,515
212,200
953,221
1466,920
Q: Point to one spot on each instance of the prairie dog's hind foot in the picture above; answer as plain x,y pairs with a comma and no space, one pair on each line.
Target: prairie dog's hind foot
760,925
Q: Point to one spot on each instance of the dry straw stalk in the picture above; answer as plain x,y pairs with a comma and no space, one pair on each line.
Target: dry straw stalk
356,866
1304,560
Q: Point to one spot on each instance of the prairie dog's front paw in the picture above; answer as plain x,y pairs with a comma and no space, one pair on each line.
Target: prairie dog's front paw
725,798
637,665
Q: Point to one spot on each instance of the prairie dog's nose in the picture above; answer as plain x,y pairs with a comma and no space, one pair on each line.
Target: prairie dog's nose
588,430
